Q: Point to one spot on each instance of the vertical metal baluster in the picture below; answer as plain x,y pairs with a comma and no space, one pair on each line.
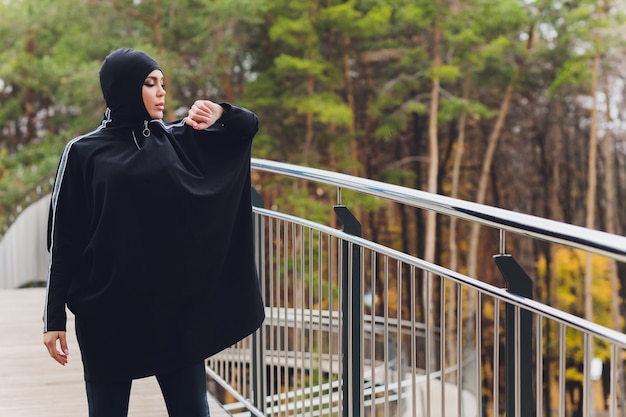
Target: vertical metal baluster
331,326
347,379
263,370
285,304
386,335
399,336
518,364
587,384
479,367
340,308
413,344
561,370
311,332
261,351
320,307
331,322
373,334
442,343
272,318
496,357
428,342
237,365
459,340
615,357
280,284
539,365
303,326
362,332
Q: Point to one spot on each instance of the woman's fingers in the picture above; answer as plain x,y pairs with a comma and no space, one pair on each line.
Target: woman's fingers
203,114
50,341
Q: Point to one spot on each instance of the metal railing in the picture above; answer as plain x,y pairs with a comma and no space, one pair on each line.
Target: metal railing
355,328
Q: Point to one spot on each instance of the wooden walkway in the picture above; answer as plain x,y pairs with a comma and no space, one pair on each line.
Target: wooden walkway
33,385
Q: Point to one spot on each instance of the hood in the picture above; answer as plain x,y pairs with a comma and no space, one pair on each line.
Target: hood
121,78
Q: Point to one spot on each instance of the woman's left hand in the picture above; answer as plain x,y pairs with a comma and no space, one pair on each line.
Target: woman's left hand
203,114
50,341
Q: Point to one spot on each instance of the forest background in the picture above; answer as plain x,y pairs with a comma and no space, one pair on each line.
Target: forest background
512,103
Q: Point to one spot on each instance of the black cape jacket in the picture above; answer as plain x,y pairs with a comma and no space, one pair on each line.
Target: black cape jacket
151,245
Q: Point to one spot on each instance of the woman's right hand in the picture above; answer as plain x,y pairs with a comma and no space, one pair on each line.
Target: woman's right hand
50,341
203,114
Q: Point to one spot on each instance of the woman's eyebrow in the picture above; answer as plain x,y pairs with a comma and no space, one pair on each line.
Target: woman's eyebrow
152,77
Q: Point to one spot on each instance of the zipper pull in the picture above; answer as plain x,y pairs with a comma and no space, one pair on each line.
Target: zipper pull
145,132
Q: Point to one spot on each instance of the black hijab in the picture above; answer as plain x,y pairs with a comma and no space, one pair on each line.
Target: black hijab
121,78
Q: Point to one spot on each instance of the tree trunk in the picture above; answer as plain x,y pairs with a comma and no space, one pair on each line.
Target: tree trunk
433,145
349,83
555,212
494,137
308,135
592,180
612,224
433,169
456,171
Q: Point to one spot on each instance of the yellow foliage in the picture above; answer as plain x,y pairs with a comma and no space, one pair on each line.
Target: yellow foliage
568,272
568,269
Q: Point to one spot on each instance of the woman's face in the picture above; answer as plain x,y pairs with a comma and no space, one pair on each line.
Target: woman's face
153,93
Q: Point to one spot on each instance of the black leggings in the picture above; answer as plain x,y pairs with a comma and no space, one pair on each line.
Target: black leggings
184,392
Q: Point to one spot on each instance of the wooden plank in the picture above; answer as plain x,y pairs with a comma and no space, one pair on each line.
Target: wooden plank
33,385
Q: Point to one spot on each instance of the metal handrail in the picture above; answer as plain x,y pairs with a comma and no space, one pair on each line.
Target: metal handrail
590,240
528,304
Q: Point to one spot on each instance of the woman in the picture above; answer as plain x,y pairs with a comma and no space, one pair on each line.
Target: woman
150,242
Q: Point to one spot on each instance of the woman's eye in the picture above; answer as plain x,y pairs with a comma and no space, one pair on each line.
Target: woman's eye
148,84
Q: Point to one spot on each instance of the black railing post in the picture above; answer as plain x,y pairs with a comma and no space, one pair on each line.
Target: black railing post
258,362
519,283
351,315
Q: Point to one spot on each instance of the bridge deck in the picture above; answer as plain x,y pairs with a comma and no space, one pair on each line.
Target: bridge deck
33,385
